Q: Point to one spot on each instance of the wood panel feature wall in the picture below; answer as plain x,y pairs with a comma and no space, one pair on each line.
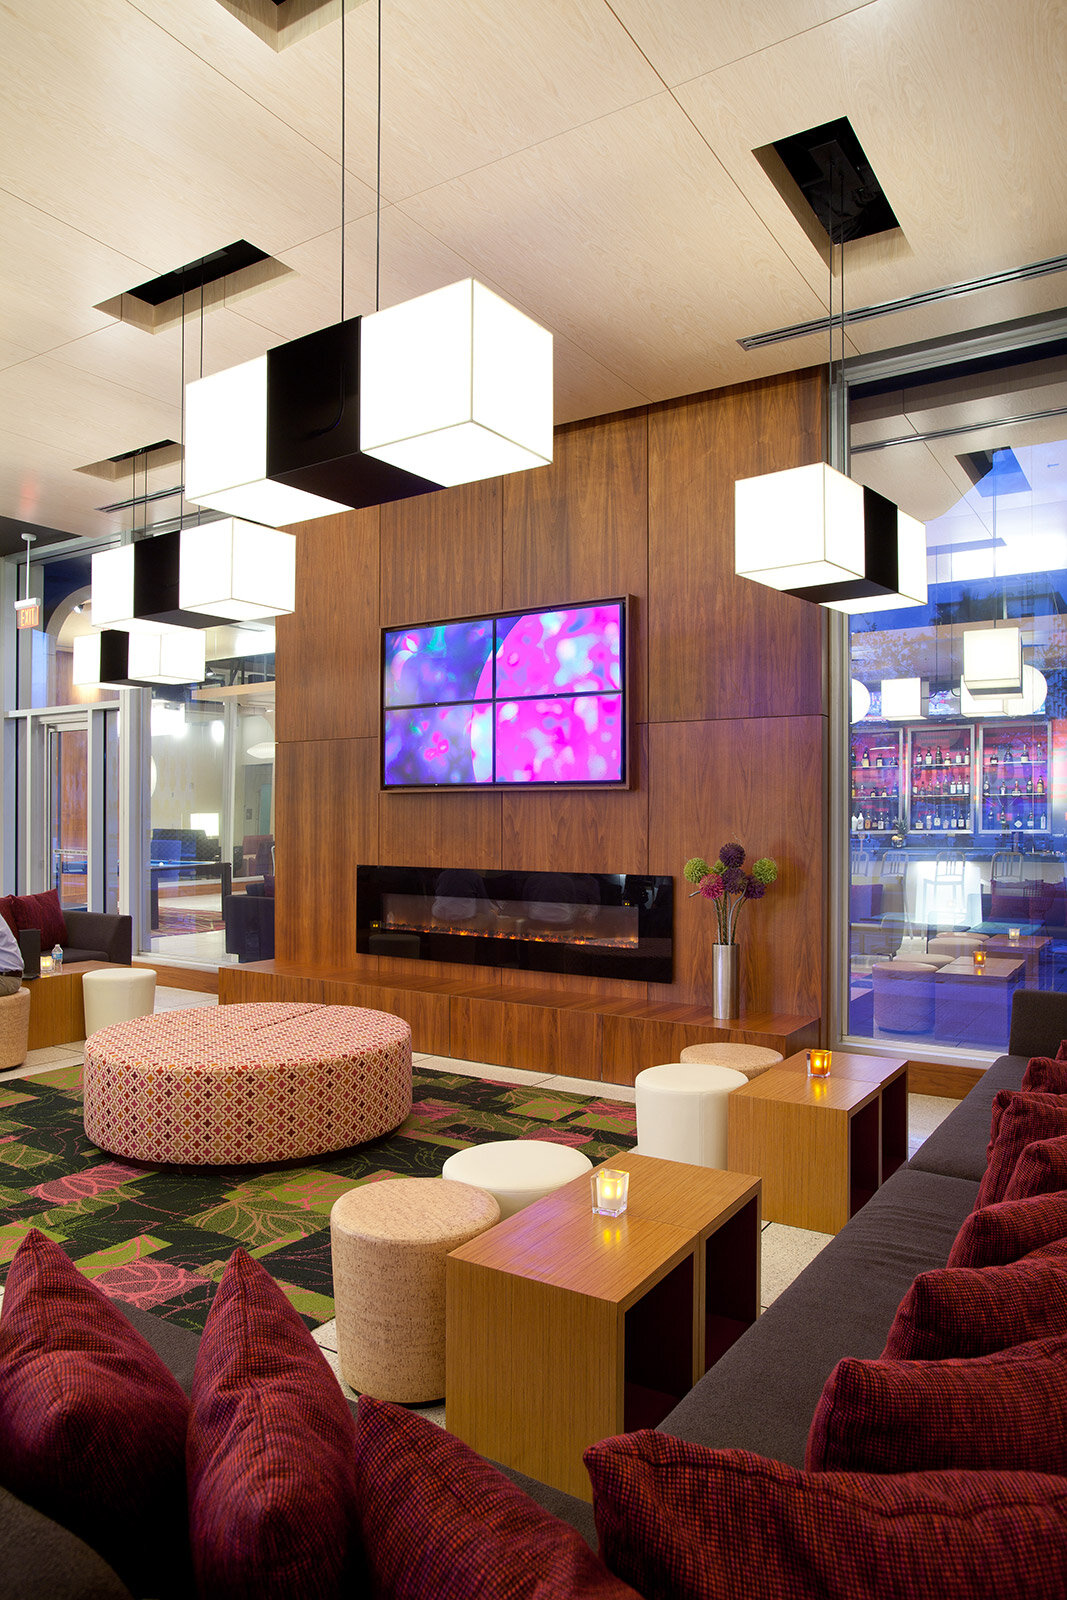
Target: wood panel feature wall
728,694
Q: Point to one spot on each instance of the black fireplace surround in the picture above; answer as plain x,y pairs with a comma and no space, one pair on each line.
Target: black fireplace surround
597,925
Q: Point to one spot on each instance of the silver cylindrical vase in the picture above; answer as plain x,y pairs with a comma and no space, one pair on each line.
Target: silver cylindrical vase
725,980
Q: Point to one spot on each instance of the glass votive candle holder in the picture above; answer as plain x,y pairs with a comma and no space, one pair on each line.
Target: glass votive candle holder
46,963
979,961
819,1063
610,1190
1013,935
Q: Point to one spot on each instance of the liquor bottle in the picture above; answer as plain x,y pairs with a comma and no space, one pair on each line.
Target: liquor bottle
939,760
1015,787
878,762
993,759
937,819
929,758
1026,753
866,759
1029,784
918,823
929,821
985,784
1040,785
1041,824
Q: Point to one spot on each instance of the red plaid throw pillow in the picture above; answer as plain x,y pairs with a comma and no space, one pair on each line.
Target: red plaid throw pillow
966,1311
439,1523
919,1416
272,1509
1041,1169
681,1522
1009,1230
92,1425
1045,1076
1018,1119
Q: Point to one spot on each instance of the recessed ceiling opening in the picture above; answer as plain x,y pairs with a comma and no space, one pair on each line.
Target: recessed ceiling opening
281,23
116,469
220,276
826,180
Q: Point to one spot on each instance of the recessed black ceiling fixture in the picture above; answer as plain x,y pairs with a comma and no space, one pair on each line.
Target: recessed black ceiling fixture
830,168
205,269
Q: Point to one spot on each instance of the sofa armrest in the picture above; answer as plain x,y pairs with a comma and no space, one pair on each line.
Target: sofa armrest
1038,1022
98,930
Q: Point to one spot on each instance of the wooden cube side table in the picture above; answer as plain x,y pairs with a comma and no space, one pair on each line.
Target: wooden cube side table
564,1327
821,1145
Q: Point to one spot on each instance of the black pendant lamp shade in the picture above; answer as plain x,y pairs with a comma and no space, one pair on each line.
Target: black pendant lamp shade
138,583
313,423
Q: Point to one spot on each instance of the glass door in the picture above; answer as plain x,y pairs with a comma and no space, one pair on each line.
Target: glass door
68,806
68,811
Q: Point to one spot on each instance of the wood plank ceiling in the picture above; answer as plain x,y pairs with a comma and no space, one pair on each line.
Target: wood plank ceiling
590,160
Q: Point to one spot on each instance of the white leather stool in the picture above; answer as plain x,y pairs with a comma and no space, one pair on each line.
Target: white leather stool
117,995
681,1112
516,1171
748,1059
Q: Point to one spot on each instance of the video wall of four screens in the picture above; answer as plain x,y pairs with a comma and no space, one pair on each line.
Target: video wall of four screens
515,698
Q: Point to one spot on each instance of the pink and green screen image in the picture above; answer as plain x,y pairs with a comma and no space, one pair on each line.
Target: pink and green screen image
521,698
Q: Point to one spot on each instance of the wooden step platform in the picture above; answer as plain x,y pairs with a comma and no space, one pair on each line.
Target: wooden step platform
538,1030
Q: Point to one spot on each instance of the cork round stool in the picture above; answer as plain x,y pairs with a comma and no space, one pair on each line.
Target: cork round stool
748,1059
389,1241
14,1028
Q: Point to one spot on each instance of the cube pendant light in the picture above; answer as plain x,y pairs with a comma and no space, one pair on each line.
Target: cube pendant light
139,659
800,531
136,586
456,385
904,699
904,540
276,440
226,450
993,662
236,570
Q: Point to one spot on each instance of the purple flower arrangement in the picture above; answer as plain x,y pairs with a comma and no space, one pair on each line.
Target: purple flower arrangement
727,885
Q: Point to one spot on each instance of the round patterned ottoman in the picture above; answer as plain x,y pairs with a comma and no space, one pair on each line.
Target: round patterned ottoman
747,1059
516,1172
389,1242
230,1085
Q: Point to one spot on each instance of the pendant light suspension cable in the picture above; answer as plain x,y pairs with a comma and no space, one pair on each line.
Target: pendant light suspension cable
344,127
378,179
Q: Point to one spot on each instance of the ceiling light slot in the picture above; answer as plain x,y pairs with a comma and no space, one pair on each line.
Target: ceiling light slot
117,469
281,23
221,277
825,177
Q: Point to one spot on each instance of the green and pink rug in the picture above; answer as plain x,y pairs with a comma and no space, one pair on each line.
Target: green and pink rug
160,1238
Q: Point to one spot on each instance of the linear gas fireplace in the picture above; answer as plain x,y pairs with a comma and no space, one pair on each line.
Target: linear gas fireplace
614,925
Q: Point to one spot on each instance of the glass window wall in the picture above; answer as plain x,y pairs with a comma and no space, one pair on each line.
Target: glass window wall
957,787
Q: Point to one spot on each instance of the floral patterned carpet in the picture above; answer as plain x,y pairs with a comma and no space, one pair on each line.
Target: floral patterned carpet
159,1238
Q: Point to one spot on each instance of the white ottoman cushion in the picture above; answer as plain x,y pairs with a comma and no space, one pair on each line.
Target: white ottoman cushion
118,996
681,1112
516,1171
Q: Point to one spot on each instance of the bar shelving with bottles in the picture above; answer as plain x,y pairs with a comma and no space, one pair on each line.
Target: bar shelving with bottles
876,779
941,779
1015,777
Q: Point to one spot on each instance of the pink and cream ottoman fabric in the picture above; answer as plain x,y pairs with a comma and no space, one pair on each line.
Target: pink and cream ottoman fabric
246,1083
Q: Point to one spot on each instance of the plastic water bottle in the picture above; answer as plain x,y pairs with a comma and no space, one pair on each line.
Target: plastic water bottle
57,955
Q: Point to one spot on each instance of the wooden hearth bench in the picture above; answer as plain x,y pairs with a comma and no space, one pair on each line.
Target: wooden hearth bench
576,1034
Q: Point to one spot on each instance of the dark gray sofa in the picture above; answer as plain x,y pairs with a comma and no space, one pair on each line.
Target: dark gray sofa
762,1393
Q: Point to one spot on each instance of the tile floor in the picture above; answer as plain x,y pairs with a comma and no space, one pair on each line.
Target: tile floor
786,1251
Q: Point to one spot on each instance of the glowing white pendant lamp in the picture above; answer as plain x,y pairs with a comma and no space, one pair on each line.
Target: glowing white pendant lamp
120,657
800,529
902,699
861,700
237,570
226,450
993,662
1032,698
456,385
